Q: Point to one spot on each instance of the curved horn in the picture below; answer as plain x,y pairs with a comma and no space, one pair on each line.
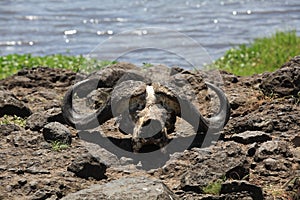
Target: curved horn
191,114
221,118
83,121
186,110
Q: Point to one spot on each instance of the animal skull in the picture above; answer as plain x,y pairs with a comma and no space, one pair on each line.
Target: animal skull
148,109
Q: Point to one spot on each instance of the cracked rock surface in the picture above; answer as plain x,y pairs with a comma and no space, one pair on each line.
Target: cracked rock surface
257,155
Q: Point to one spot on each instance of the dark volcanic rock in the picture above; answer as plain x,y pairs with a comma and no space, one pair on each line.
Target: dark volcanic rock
296,141
7,129
126,189
285,81
55,131
242,186
273,148
249,137
86,166
10,105
40,77
226,161
30,169
38,120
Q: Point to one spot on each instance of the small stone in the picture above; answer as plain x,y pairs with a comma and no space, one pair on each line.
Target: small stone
55,131
86,166
41,194
22,182
252,149
126,161
296,141
33,185
8,188
249,137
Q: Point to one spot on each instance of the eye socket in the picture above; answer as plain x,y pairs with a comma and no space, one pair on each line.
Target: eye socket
136,107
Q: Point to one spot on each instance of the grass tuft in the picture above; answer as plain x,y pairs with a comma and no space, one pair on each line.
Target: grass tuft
7,119
263,54
214,187
59,146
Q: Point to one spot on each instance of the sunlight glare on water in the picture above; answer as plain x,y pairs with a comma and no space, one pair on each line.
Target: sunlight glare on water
76,27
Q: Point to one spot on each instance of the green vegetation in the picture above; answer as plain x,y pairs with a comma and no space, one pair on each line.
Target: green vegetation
58,146
147,65
263,54
214,187
7,119
10,64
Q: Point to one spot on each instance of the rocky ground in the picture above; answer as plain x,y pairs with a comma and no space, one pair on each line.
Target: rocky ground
256,157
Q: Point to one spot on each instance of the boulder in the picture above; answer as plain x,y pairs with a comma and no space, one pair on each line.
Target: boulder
226,160
86,166
55,131
126,189
10,105
38,120
285,81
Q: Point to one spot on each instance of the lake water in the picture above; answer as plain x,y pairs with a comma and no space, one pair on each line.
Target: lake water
76,27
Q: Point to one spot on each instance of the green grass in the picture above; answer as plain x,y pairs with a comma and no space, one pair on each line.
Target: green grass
263,54
59,146
10,64
7,119
214,187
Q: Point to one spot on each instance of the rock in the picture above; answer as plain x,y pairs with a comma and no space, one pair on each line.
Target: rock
36,121
236,102
126,189
10,105
242,186
39,119
41,194
7,129
55,131
86,166
22,181
30,169
249,137
238,173
103,155
231,163
275,165
296,141
285,81
272,148
40,77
